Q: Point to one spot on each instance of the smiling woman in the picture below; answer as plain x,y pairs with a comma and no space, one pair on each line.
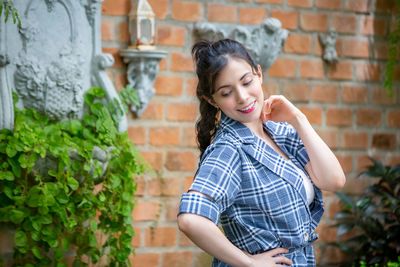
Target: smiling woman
261,171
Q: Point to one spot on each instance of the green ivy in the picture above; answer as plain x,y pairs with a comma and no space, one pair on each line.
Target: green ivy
75,203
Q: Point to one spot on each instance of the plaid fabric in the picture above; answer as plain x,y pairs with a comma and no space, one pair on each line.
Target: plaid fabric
256,195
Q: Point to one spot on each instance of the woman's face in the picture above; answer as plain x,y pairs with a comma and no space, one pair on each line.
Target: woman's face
238,92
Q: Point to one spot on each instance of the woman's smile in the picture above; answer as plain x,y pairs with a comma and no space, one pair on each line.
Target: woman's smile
249,108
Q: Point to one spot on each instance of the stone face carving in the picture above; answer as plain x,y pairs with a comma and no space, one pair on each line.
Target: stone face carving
263,42
142,71
53,58
329,44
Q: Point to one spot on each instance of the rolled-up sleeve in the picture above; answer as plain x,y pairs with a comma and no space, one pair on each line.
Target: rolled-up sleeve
218,179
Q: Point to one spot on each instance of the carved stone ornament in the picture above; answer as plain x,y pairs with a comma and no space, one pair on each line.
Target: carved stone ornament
264,42
53,59
328,42
142,71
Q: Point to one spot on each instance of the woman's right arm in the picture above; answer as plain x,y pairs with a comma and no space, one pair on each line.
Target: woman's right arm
206,235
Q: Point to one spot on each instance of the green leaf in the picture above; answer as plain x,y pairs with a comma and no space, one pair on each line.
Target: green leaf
93,226
16,169
7,175
20,238
65,243
72,183
17,216
37,253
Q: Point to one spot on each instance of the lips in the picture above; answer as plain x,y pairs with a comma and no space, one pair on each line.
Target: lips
249,108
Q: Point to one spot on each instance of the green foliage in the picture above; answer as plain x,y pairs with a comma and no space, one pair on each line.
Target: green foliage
74,203
128,96
8,7
373,222
389,264
393,53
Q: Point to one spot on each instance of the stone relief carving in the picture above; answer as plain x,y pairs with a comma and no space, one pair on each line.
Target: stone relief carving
263,42
53,58
329,44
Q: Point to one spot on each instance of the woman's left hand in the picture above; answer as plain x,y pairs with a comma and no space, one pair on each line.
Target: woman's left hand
278,108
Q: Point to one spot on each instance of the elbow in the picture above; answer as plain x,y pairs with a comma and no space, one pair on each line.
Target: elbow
340,181
184,222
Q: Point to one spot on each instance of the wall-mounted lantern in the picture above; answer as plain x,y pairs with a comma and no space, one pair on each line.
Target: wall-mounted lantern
141,26
141,55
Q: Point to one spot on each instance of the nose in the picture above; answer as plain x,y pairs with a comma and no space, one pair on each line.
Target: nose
241,94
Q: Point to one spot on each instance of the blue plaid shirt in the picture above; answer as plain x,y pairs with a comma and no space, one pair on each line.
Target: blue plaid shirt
257,195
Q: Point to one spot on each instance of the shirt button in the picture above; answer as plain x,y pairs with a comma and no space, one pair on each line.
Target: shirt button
306,237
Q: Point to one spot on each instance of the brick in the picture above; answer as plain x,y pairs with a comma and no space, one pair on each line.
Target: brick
330,137
181,112
165,85
161,236
162,65
187,182
339,116
313,69
333,255
107,30
278,2
204,259
298,44
393,160
164,136
252,15
327,93
171,210
314,22
171,35
6,242
154,111
123,32
393,118
116,7
368,72
154,158
300,3
145,260
369,117
140,186
137,239
160,8
189,138
270,88
329,4
296,91
118,63
222,13
180,161
191,86
288,18
354,94
360,6
356,48
187,11
385,6
164,187
241,1
120,80
346,161
326,233
181,62
373,26
283,68
137,135
146,211
354,140
380,50
379,96
178,259
384,141
313,114
342,70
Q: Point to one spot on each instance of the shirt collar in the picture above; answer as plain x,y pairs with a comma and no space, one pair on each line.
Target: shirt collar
239,130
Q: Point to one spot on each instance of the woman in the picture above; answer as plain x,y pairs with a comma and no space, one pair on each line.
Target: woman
261,171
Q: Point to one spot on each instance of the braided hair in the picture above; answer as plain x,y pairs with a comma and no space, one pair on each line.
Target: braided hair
210,58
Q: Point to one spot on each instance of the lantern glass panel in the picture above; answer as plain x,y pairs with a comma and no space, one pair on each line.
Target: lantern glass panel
145,30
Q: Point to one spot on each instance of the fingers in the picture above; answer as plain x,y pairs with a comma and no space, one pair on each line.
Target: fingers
276,251
284,260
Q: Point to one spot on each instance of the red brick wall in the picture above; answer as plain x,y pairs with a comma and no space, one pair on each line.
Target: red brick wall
345,102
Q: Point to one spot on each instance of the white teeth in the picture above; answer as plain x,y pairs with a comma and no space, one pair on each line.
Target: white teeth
248,107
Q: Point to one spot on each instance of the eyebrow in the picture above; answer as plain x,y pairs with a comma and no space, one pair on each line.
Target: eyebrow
228,85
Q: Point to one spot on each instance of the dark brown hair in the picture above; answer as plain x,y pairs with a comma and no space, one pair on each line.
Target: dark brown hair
210,58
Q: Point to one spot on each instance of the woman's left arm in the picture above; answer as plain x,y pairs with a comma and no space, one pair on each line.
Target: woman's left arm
323,167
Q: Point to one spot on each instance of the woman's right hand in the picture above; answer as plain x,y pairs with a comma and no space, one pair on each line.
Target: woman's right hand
269,258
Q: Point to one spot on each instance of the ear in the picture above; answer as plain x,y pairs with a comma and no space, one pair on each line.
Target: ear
259,73
210,101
